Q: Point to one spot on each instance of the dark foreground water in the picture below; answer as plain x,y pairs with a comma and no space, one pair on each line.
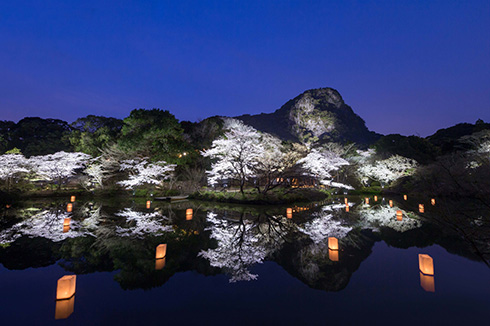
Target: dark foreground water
245,265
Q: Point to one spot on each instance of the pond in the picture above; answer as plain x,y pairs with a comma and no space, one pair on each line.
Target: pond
312,264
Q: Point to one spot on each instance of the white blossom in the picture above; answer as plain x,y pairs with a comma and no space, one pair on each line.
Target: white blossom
389,170
319,163
142,172
141,224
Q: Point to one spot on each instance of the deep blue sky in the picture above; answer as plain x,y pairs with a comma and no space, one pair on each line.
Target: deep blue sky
407,67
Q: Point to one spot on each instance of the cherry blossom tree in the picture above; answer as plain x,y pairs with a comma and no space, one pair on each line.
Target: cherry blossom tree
59,166
142,172
387,171
12,166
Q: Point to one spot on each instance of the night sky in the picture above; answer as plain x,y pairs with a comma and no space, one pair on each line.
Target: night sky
408,67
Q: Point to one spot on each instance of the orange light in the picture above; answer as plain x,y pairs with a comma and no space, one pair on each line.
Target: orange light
66,221
72,198
426,264
289,215
399,215
64,308
391,203
433,201
148,204
66,228
333,255
347,208
69,208
161,251
333,243
375,198
289,211
367,201
8,206
346,201
427,282
421,208
66,287
188,214
405,197
160,264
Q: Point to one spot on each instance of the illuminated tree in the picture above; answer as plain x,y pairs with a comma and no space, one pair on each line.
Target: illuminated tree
387,171
11,167
142,172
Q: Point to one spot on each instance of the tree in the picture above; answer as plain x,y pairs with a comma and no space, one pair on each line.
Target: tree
236,153
58,167
142,172
12,166
387,171
93,133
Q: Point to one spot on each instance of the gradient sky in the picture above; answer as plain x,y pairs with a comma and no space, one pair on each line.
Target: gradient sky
408,67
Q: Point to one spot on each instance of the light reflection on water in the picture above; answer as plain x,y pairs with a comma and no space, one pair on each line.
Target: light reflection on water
232,240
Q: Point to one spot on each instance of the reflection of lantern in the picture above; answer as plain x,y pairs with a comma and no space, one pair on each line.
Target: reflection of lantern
333,243
72,198
69,208
159,264
66,221
399,215
375,198
289,215
433,201
333,255
148,204
161,251
64,308
427,282
346,201
66,228
421,208
391,203
367,201
426,264
405,197
66,287
347,208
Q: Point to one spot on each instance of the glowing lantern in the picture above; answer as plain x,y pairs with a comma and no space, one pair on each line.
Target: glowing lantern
289,211
333,243
188,214
148,204
433,201
405,197
160,264
346,201
375,198
64,308
421,208
161,251
426,264
69,208
66,287
333,255
72,199
8,206
66,221
399,215
427,282
367,201
391,203
347,208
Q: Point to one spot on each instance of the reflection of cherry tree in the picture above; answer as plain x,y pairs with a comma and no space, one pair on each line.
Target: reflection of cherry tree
241,244
140,224
323,226
385,216
46,224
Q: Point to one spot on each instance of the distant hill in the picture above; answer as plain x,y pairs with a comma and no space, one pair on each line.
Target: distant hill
316,115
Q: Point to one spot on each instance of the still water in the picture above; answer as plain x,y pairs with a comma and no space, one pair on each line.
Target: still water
231,264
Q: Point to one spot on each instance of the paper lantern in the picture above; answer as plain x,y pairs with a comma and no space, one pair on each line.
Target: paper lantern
375,198
367,201
333,255
66,228
160,263
161,251
64,308
426,264
72,198
66,287
421,208
427,282
405,197
333,243
289,211
69,208
188,214
391,203
347,208
8,206
148,204
346,201
399,215
433,201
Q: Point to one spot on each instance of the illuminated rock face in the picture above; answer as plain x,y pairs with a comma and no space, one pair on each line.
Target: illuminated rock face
316,114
